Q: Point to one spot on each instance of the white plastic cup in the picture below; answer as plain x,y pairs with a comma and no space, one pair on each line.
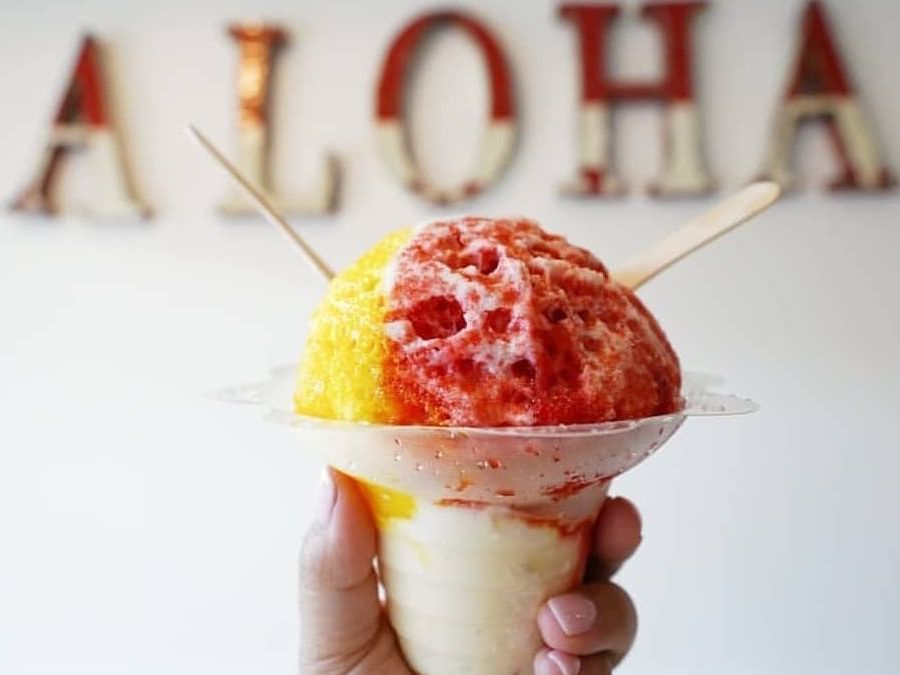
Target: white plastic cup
479,527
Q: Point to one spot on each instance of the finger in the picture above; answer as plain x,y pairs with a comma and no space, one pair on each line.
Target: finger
339,604
554,662
595,618
617,535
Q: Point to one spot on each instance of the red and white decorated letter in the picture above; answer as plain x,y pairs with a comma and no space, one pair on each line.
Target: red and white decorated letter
257,45
82,121
684,169
820,90
393,140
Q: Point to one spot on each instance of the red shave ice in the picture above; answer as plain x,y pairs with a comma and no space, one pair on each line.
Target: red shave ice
495,322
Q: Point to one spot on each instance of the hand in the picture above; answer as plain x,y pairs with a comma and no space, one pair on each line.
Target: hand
345,629
596,621
344,626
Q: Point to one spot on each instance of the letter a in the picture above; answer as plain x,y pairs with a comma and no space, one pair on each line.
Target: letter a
820,89
83,122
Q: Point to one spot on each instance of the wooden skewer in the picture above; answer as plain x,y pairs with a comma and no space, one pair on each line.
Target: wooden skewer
264,205
736,209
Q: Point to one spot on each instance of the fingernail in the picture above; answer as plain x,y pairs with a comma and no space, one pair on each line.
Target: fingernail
326,497
568,664
574,613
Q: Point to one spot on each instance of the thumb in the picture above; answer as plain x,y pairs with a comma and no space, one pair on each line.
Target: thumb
339,605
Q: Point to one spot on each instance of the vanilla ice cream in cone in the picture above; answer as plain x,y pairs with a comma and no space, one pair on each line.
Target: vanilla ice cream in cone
464,581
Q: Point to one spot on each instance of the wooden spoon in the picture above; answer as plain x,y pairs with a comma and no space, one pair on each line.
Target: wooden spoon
738,208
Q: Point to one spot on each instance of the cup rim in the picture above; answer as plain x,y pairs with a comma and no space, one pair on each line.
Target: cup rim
699,400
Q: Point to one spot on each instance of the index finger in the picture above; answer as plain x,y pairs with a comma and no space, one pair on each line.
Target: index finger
617,535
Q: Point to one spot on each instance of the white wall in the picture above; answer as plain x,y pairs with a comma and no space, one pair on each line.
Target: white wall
144,529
